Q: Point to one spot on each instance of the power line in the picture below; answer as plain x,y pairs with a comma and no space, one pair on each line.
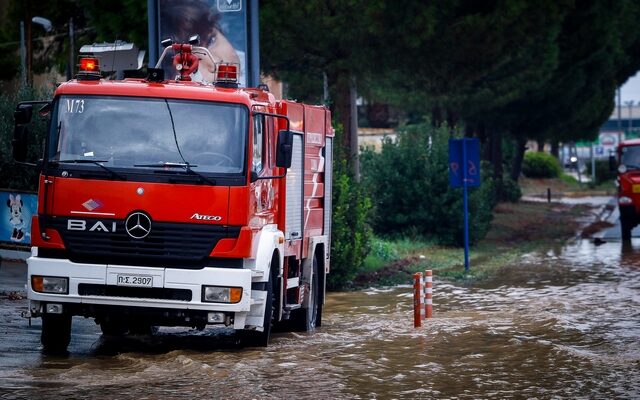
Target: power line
47,37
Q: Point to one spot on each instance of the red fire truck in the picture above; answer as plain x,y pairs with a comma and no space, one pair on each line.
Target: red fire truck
629,185
175,203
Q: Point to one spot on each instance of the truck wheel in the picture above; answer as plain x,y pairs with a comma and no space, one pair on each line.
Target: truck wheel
306,319
626,226
261,339
56,333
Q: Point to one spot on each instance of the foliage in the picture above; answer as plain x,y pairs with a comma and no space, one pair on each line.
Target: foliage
409,181
93,20
604,172
350,233
383,249
511,191
540,165
12,175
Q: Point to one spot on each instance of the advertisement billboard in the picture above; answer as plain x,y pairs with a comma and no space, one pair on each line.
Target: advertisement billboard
15,218
222,26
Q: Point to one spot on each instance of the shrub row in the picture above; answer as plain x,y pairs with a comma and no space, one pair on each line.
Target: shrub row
409,184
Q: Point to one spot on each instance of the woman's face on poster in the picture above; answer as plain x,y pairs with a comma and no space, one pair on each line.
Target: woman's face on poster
221,50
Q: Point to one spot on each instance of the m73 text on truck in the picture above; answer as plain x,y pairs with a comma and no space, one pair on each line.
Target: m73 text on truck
175,203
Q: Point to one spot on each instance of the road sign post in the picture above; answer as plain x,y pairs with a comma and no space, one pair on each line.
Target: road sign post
464,171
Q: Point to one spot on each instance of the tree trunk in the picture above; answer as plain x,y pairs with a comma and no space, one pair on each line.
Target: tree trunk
540,143
353,129
28,42
495,141
344,110
516,167
555,148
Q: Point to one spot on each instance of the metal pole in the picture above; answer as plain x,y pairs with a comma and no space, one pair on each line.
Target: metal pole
417,300
23,55
428,293
619,115
154,43
466,206
593,164
630,104
253,80
72,49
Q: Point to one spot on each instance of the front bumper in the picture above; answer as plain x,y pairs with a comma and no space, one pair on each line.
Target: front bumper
80,301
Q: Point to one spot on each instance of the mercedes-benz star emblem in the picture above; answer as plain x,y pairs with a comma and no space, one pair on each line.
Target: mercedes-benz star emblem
138,225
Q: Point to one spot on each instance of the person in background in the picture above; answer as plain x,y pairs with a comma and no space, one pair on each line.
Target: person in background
180,19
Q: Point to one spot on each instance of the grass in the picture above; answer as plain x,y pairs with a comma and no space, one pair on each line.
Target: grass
517,229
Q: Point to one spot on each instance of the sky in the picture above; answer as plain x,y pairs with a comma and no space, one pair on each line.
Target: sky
631,89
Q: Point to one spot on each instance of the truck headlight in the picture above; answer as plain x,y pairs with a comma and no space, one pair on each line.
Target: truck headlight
50,284
221,294
625,200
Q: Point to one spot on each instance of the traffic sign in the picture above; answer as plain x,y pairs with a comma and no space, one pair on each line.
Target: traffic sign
457,174
464,171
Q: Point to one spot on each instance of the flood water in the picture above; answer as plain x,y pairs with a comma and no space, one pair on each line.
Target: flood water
565,324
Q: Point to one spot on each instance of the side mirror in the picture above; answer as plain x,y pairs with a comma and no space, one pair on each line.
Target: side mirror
23,114
22,117
285,149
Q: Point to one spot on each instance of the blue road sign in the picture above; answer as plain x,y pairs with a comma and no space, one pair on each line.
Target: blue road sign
457,174
464,171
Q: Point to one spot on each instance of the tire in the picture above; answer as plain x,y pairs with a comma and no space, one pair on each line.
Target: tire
306,319
626,223
56,333
261,339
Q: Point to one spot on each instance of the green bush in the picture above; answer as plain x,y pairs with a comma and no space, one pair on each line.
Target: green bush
409,184
350,233
510,191
604,172
540,165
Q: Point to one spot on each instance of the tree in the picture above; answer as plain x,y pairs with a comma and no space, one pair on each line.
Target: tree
97,20
304,41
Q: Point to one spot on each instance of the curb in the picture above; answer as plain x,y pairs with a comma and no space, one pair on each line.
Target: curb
14,255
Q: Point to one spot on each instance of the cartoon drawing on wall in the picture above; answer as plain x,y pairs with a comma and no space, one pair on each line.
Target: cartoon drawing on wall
15,226
17,223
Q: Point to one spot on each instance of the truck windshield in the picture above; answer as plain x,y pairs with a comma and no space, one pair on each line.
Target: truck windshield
630,156
141,133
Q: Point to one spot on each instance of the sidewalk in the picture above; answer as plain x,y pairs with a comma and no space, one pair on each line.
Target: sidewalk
13,277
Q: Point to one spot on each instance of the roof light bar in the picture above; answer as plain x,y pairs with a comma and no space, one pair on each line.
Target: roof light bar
227,74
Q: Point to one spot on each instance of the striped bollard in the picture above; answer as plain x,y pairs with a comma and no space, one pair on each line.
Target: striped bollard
418,309
428,292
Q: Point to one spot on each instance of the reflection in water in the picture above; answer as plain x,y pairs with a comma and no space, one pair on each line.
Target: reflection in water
563,324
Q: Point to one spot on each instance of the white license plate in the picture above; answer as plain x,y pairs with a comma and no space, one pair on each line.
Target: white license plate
134,280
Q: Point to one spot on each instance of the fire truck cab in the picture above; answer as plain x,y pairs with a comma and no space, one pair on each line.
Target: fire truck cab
166,202
628,182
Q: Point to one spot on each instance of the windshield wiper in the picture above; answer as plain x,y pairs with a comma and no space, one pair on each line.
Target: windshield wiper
185,166
113,173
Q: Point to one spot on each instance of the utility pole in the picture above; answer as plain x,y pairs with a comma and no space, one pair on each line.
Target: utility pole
619,115
630,104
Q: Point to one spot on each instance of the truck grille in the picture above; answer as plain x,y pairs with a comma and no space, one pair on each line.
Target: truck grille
168,244
86,289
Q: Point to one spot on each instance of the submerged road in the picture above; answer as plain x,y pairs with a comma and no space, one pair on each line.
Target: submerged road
563,324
